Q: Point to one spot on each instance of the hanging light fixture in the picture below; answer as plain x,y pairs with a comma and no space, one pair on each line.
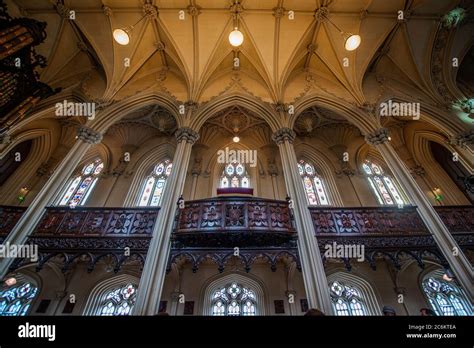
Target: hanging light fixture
236,38
122,35
236,139
351,41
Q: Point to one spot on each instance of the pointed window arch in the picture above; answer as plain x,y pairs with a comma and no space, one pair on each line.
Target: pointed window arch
154,185
445,297
346,300
234,175
313,184
119,301
16,300
234,300
384,186
82,185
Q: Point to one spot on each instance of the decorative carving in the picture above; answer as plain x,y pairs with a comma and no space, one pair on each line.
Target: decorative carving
186,134
279,12
82,46
5,139
377,137
282,135
62,10
96,222
107,10
463,139
311,48
321,14
236,9
417,171
160,46
193,10
150,11
374,221
88,135
245,259
234,215
9,216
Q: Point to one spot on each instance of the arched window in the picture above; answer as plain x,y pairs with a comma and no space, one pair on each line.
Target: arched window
445,298
312,184
384,187
82,185
233,300
17,300
234,175
155,184
119,301
346,300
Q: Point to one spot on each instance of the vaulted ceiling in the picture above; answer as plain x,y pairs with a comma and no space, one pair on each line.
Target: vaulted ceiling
187,54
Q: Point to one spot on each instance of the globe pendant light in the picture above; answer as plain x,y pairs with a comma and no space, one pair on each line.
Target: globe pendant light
236,38
352,42
121,36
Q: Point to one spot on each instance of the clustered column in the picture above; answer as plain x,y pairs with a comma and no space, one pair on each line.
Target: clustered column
31,217
153,275
312,266
458,262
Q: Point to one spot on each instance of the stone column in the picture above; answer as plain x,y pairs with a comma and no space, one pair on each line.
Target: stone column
153,275
459,264
31,217
312,266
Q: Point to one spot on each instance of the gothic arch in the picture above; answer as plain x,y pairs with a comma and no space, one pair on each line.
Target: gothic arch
142,165
245,279
323,167
102,288
223,102
369,294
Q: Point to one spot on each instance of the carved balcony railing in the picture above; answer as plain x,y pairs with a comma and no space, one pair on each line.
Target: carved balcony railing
391,230
234,221
9,216
123,233
224,227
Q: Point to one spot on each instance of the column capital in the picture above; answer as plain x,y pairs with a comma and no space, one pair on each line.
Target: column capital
187,134
377,137
284,134
463,139
88,135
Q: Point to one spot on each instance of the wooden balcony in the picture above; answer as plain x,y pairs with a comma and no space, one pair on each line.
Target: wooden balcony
212,228
234,221
391,231
9,216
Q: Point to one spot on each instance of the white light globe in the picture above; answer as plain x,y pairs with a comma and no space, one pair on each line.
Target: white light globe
236,139
236,38
121,37
352,42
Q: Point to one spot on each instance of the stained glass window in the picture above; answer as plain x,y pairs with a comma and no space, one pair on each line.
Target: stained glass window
82,185
445,298
119,301
155,184
234,175
384,187
234,300
313,185
346,300
15,301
